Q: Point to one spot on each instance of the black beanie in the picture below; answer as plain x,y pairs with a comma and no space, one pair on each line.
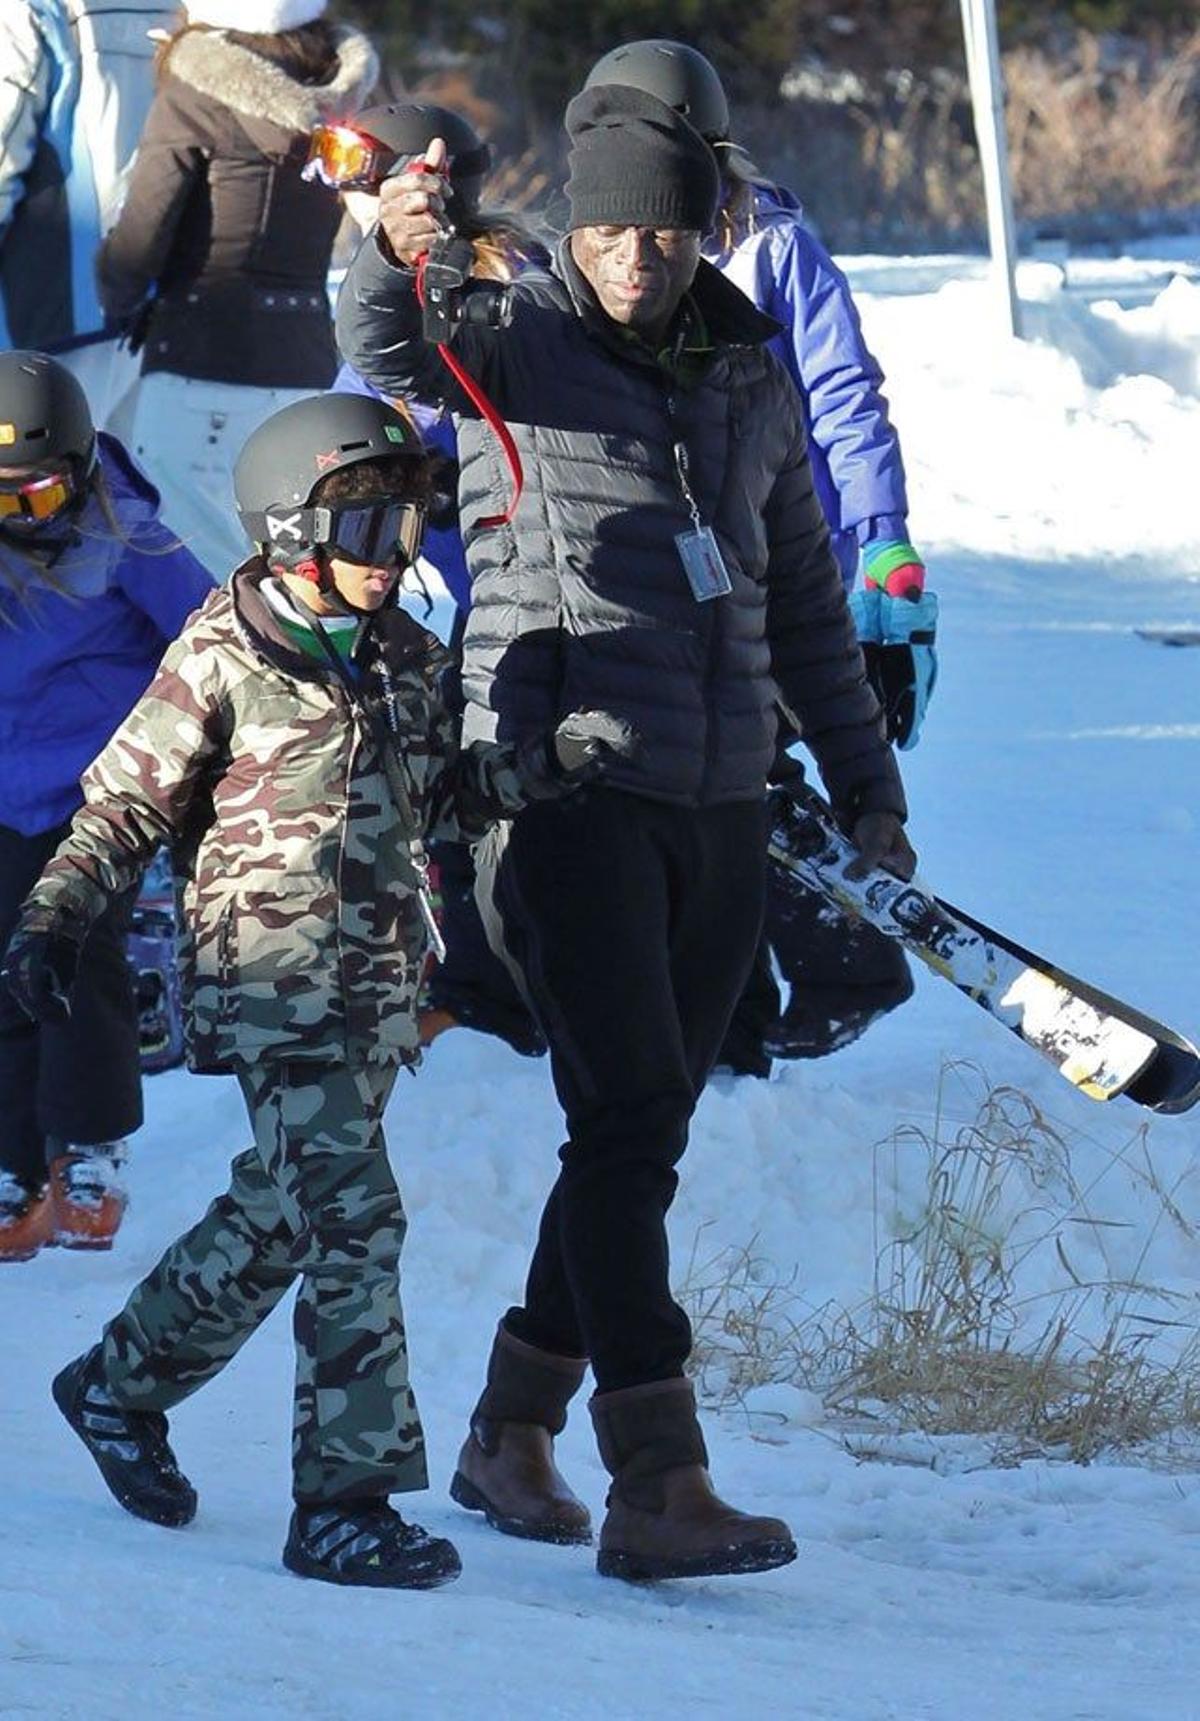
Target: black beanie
635,162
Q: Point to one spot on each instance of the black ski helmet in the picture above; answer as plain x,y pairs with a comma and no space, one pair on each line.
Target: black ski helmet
678,75
410,127
284,460
44,414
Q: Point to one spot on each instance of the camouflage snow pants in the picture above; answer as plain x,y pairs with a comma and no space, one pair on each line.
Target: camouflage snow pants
314,1199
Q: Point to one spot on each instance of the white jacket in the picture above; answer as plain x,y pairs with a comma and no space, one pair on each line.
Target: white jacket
76,80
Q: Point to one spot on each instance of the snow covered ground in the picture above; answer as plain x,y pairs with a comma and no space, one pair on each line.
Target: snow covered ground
1054,491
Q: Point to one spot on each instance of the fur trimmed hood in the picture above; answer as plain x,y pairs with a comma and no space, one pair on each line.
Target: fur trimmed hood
242,80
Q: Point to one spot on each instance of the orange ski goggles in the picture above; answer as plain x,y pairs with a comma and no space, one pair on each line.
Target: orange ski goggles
346,159
35,496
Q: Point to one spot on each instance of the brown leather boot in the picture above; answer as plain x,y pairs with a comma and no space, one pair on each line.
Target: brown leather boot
506,1469
664,1520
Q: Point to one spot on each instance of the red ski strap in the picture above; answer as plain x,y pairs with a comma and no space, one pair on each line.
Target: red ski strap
487,411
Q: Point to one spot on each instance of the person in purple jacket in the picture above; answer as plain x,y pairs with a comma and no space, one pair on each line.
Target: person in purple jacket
92,588
843,975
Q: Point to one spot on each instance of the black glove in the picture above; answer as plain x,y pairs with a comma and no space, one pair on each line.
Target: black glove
134,328
881,842
39,970
586,741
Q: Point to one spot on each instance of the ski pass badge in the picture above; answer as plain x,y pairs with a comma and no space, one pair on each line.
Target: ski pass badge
703,564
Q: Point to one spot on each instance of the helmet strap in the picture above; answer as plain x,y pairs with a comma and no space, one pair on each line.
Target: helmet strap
312,564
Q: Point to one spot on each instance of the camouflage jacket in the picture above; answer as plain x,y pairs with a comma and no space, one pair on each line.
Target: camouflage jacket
304,933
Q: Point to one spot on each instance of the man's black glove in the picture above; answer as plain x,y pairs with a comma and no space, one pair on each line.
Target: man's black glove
39,969
577,751
586,741
881,842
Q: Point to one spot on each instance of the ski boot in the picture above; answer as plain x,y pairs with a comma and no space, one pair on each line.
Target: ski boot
130,1446
366,1542
26,1219
88,1194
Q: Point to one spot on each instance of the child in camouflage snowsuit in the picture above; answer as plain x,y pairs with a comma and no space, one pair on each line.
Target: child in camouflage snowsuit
296,751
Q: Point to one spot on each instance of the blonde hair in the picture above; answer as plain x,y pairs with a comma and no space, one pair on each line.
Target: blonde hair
735,218
96,486
502,243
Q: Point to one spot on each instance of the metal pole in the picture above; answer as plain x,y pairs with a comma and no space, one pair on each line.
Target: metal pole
987,100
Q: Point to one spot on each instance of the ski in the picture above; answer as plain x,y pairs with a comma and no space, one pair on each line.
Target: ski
1172,636
151,952
1100,1045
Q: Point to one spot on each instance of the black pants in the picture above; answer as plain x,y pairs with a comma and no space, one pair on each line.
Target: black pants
472,983
634,926
76,1081
842,974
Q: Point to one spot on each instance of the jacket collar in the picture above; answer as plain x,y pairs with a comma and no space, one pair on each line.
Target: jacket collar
392,633
728,315
242,80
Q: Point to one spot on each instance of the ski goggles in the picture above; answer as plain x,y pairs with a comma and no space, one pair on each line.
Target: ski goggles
378,534
347,160
35,496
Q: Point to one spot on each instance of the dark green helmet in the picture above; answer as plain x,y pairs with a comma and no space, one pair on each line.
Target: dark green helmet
678,75
285,459
44,414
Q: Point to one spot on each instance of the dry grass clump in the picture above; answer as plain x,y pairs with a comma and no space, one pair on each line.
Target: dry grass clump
1087,136
946,1344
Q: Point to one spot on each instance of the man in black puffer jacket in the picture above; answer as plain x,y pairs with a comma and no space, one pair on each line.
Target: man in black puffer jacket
668,562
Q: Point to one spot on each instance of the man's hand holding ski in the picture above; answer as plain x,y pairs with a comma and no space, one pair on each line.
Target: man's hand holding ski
881,842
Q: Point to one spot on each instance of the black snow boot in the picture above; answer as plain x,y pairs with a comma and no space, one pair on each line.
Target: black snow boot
367,1542
130,1446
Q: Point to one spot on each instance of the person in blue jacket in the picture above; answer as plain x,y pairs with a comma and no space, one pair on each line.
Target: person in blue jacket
93,586
470,987
842,975
76,83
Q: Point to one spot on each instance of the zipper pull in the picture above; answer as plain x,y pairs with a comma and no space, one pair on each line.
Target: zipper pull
420,862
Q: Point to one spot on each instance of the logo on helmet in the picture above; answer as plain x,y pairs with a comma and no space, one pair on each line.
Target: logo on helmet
284,526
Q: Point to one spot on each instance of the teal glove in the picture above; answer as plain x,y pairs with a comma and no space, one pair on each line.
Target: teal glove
897,635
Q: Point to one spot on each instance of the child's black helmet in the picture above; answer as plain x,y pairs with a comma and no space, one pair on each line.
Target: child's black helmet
678,75
285,459
44,414
410,127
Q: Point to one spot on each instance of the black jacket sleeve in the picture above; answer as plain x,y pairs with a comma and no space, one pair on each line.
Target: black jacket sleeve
379,332
815,654
511,661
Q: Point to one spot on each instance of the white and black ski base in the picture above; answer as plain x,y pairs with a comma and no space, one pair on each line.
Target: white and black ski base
1102,1046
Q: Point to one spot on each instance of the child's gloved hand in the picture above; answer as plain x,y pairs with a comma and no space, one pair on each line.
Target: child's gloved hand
896,620
39,969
